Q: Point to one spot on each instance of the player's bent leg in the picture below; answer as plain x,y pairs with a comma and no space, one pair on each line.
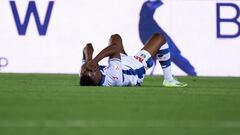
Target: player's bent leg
145,58
116,39
153,48
154,43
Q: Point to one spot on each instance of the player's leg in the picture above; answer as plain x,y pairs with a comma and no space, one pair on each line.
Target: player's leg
114,70
157,46
116,39
149,51
164,58
154,43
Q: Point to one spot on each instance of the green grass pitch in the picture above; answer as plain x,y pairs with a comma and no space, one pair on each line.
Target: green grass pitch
33,104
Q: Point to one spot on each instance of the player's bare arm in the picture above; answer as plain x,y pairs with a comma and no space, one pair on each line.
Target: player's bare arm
110,51
113,50
90,70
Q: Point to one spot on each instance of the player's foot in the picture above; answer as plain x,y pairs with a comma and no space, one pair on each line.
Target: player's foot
173,83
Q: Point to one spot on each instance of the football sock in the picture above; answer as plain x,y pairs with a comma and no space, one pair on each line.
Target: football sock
144,57
164,59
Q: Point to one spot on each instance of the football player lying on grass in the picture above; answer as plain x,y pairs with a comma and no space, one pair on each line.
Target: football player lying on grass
124,70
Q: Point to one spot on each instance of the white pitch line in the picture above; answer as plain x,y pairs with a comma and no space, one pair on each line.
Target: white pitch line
117,124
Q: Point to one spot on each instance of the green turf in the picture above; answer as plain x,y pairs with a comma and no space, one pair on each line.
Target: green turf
32,104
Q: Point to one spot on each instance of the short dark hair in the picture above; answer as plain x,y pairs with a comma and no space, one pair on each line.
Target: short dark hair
87,81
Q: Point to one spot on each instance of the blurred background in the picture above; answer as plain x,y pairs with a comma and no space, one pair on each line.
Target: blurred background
206,31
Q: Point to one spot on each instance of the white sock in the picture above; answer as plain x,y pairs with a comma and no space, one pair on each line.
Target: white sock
164,59
167,73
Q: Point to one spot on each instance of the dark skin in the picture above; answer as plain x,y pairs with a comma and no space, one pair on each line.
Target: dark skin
113,50
90,68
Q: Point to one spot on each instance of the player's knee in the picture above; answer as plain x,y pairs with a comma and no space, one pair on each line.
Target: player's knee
116,38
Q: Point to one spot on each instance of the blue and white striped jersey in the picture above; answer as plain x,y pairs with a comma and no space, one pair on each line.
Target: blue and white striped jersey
129,71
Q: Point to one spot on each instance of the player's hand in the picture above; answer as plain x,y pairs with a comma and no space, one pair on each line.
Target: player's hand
89,48
83,69
88,52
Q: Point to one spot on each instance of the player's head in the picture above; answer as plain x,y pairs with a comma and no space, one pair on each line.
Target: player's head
89,77
87,81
